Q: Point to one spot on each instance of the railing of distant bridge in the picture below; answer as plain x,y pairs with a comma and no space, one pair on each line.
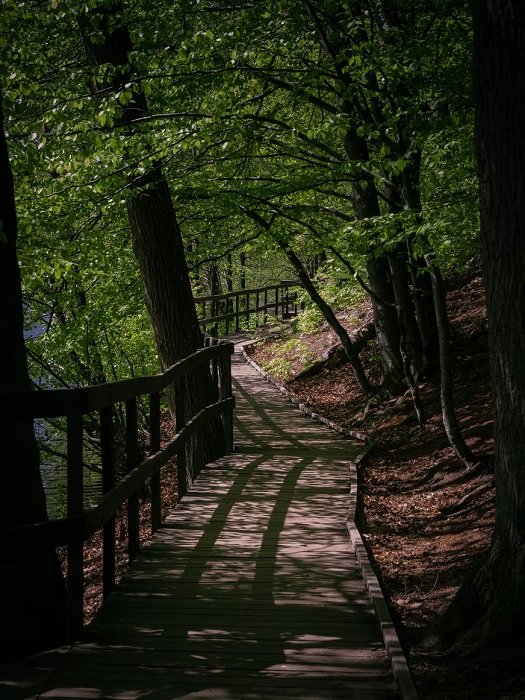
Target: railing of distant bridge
235,311
74,404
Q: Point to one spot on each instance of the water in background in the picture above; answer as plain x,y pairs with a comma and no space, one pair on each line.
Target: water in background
53,467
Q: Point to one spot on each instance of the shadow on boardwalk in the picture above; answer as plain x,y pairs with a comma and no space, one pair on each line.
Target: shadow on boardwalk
249,590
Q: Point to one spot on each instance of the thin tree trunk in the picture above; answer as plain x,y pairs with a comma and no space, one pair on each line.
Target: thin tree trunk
385,320
450,422
421,284
408,336
324,308
330,317
229,273
214,287
405,310
242,277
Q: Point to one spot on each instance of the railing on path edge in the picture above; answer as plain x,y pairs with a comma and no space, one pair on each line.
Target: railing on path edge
235,309
81,524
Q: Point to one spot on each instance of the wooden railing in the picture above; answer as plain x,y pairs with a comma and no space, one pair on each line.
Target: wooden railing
74,404
235,310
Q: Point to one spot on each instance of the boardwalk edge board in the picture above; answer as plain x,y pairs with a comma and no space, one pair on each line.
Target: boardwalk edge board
393,646
400,669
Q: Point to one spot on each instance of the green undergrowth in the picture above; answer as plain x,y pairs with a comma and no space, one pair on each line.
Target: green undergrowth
288,357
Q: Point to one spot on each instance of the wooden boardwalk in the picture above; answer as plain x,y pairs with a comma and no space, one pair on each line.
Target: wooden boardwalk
250,590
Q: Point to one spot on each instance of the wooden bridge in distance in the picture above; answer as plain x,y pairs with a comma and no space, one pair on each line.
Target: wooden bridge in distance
250,589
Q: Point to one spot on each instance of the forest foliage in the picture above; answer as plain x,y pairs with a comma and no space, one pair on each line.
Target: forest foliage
248,117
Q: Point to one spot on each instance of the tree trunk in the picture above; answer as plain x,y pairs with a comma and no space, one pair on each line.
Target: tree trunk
329,316
157,244
242,274
422,287
366,205
325,309
490,606
156,237
405,311
450,422
229,273
409,340
385,320
213,282
32,591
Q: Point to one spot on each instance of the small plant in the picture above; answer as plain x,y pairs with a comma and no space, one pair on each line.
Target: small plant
309,321
288,357
279,367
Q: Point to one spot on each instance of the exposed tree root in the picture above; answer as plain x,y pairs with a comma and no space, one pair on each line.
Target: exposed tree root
459,507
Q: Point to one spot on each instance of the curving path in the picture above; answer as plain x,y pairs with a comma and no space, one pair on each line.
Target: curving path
251,589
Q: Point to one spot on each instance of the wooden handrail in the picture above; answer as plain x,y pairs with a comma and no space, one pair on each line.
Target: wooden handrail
252,290
50,403
227,307
67,530
79,524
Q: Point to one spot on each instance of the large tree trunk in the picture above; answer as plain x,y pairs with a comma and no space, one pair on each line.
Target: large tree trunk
491,604
32,591
156,238
157,245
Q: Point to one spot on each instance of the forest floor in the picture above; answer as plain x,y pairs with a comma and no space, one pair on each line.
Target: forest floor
421,539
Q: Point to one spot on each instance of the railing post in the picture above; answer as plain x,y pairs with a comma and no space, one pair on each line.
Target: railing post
226,313
247,310
108,482
276,301
214,368
237,312
75,506
257,299
182,476
265,315
225,392
154,432
132,460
